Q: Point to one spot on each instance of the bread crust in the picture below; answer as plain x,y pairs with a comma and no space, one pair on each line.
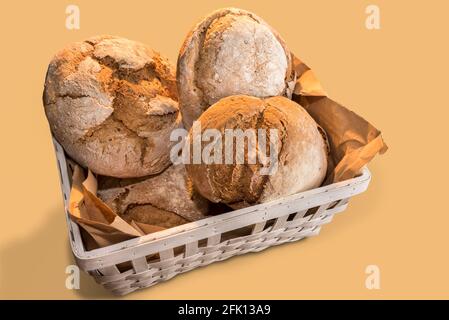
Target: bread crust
301,158
161,196
230,52
112,104
153,216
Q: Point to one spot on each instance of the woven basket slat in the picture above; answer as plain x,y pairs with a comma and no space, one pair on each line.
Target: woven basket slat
215,239
258,227
109,270
140,264
191,248
167,254
280,222
300,214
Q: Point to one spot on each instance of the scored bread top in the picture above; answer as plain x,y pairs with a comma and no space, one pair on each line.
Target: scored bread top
301,152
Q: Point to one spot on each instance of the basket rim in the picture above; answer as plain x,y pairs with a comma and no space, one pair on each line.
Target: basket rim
81,254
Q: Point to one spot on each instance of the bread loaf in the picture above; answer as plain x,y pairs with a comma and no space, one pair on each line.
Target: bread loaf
301,155
230,52
166,198
151,215
112,104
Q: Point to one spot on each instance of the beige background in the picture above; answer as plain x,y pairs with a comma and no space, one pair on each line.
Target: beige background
396,77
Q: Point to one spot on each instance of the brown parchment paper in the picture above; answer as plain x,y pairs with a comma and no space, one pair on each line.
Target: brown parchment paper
102,225
353,142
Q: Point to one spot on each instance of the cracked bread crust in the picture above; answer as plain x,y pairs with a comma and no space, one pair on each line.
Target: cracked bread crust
166,194
231,52
151,215
301,157
112,104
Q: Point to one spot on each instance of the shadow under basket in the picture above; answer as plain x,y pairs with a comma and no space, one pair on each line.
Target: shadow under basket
148,260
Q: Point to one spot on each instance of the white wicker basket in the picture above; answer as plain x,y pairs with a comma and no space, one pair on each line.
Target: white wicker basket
183,248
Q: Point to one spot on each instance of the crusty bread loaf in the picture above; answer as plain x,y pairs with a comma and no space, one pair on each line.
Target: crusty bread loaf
112,104
168,196
148,214
230,52
301,157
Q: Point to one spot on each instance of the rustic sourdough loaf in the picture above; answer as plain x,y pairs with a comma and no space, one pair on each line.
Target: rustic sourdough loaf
301,155
112,103
165,200
230,52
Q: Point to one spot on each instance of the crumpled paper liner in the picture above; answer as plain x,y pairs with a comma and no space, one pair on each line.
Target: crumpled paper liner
352,140
103,226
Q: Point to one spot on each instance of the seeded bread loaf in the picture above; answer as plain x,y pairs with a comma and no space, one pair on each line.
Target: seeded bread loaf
112,104
230,52
299,152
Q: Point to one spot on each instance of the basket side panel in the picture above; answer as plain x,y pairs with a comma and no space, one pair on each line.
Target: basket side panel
303,206
76,242
147,271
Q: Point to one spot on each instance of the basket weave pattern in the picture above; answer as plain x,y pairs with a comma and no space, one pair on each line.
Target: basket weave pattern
146,274
158,257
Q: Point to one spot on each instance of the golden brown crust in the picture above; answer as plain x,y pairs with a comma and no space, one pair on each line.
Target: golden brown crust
153,216
169,191
112,104
302,155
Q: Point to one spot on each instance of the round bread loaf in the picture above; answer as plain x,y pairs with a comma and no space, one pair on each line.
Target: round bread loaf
231,52
165,200
298,151
112,104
